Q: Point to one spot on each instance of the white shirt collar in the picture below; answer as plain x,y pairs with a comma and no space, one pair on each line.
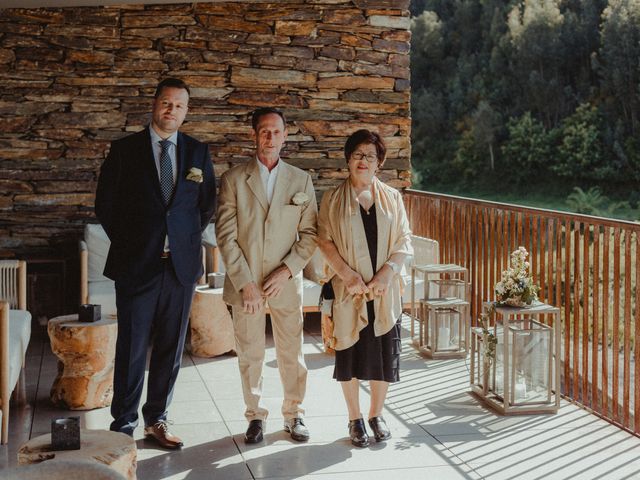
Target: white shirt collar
268,178
265,171
155,138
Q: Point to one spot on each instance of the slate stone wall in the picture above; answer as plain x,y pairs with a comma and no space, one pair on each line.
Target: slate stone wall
73,79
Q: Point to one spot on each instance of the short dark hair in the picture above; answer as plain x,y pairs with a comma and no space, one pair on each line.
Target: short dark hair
171,83
261,112
365,136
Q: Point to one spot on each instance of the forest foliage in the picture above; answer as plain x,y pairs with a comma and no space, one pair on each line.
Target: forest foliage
524,96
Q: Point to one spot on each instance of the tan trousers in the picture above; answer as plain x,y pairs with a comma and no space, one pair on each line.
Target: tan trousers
250,346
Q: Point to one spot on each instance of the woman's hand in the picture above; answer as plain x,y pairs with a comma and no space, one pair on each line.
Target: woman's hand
354,283
381,281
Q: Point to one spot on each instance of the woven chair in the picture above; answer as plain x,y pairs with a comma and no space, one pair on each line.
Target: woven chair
15,332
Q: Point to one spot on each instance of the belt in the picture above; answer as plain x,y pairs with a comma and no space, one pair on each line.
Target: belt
165,255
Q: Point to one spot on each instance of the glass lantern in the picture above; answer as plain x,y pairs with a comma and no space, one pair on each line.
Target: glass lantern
528,363
525,374
444,328
448,288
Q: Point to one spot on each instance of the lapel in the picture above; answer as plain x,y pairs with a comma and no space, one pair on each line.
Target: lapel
280,188
150,169
255,184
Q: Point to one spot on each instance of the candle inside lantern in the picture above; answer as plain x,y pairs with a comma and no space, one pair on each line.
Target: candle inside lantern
521,390
443,338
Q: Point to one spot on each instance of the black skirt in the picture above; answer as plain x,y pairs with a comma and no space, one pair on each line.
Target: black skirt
371,357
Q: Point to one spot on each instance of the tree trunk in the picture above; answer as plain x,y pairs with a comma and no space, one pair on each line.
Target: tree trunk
492,159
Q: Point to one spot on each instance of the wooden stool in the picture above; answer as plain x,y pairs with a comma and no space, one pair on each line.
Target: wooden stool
210,326
85,370
113,449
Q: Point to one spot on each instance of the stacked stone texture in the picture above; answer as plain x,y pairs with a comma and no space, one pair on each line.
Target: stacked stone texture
73,79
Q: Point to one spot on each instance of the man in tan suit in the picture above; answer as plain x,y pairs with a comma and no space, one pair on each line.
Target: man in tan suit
266,231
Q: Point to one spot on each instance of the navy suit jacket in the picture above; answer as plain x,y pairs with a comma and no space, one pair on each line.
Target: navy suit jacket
130,207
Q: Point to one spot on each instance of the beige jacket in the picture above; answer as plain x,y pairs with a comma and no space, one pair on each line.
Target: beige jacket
255,238
340,222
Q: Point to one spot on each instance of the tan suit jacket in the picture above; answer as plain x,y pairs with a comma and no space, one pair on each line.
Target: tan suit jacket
255,238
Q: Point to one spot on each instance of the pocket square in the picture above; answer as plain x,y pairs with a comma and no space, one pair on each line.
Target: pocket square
195,175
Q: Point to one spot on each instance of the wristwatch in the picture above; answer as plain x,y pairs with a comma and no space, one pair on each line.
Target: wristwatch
394,266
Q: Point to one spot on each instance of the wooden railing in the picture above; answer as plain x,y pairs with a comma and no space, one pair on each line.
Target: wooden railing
587,266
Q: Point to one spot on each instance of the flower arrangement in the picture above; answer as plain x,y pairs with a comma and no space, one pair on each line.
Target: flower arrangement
516,287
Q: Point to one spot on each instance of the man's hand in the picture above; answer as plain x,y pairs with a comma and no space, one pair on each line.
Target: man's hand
381,281
252,300
275,281
354,283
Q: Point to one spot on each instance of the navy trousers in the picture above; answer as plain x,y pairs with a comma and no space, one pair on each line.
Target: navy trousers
158,309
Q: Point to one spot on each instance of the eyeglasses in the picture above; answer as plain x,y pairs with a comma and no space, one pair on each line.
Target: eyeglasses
361,156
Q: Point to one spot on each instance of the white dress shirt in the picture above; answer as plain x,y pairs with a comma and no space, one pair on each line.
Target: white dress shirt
268,178
157,149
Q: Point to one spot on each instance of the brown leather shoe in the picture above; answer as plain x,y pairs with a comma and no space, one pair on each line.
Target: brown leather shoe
160,433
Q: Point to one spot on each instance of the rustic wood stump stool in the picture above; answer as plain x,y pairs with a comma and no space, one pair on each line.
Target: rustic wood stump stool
211,327
113,449
86,352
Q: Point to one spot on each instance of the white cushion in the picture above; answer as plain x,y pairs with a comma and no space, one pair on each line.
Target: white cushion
98,244
103,294
310,293
425,251
209,236
19,335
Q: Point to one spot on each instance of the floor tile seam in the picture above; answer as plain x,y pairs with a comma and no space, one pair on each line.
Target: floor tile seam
37,390
369,470
399,470
222,417
441,444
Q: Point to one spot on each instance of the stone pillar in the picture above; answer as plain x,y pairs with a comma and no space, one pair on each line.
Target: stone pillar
86,353
210,326
113,449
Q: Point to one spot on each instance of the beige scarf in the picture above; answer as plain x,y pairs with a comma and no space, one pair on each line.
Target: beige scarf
341,222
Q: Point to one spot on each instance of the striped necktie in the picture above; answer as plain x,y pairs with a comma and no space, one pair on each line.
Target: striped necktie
166,172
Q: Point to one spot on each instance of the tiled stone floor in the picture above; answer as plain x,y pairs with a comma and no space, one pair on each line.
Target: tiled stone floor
440,431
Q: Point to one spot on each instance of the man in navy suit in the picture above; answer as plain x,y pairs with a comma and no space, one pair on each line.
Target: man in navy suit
155,196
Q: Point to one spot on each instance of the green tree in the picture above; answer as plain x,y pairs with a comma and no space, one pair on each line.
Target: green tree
536,34
581,150
527,151
593,202
486,122
619,60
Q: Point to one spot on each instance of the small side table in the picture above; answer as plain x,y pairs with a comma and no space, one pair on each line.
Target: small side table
210,324
86,353
113,449
525,375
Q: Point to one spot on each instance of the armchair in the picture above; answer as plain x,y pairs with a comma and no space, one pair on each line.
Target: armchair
425,251
94,248
15,333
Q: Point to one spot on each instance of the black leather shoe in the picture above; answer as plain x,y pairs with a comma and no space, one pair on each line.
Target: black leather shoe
297,429
380,429
254,432
358,433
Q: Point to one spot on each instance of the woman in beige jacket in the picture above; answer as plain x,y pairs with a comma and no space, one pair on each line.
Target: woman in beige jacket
364,235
